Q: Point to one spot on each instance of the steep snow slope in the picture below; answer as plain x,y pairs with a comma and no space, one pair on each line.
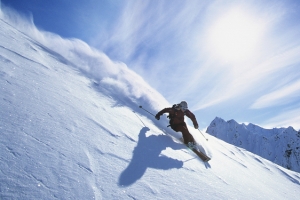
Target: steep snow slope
279,145
70,132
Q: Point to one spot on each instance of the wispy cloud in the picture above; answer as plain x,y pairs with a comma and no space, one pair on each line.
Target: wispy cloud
152,28
167,44
281,96
285,119
155,34
271,68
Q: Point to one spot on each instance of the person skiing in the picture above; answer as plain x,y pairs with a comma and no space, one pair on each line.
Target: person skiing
176,115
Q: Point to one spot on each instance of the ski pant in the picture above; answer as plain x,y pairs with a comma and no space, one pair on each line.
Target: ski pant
187,137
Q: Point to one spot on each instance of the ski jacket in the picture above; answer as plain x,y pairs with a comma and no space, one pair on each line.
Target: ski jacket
177,116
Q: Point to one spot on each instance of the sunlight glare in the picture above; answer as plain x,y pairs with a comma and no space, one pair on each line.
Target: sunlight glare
234,37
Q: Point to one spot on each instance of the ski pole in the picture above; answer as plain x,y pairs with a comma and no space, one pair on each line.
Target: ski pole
139,118
203,135
146,111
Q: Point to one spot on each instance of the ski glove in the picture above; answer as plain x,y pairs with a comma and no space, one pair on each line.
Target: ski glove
196,126
157,116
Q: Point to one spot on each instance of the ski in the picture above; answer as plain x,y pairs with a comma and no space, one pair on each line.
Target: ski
201,155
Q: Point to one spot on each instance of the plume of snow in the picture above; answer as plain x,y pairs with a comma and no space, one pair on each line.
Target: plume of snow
105,73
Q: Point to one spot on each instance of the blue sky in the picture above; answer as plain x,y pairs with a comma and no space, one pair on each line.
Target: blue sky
232,59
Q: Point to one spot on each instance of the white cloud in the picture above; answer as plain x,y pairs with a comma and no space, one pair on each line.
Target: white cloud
281,96
284,119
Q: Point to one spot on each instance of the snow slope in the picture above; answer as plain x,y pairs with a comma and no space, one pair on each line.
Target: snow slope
70,128
279,145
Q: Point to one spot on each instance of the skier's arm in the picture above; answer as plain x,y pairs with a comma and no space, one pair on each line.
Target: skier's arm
190,115
165,110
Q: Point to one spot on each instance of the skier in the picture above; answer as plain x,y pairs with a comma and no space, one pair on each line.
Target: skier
176,115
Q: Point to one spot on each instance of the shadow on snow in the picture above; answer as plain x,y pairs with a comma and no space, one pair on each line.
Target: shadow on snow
147,155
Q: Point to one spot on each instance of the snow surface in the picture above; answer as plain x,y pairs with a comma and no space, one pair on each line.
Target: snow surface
71,128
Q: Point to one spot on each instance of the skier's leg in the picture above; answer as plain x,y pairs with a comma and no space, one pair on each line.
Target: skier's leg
187,137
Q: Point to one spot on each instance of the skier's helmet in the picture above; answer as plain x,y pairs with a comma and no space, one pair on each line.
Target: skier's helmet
183,106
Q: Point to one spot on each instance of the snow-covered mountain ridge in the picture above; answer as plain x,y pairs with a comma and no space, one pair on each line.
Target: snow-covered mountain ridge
279,145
